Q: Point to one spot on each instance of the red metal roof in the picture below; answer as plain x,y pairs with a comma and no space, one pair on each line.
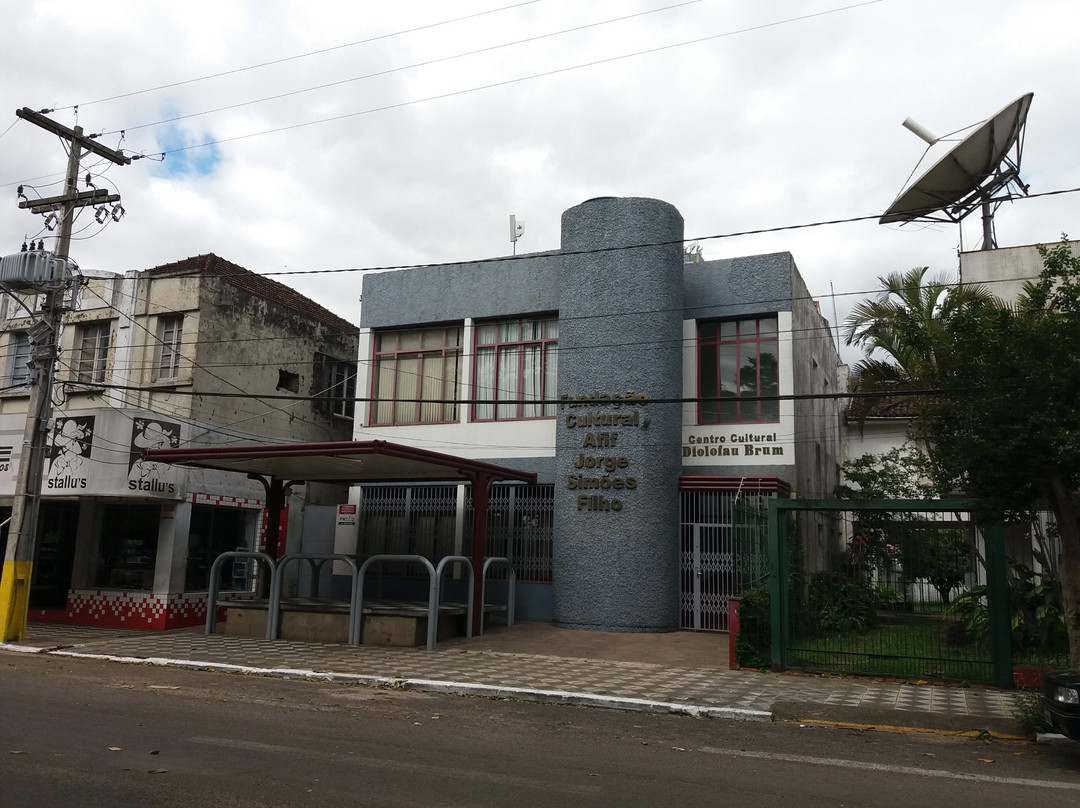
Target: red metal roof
338,462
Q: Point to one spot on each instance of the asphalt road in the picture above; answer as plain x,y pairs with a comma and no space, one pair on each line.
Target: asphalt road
87,733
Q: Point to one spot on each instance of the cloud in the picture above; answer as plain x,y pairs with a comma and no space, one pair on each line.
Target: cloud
788,124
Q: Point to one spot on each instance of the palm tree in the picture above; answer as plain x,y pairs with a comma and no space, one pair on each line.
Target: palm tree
900,329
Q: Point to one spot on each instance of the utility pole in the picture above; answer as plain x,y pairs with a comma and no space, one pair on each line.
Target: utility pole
19,558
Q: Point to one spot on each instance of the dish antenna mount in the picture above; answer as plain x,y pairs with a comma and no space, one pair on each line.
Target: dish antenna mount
981,171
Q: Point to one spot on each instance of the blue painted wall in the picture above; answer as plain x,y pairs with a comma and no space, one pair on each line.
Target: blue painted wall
615,554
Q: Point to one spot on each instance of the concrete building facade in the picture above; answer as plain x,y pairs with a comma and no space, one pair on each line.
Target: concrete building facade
197,353
654,398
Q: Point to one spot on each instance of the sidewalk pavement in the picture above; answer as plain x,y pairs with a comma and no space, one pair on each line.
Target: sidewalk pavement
681,672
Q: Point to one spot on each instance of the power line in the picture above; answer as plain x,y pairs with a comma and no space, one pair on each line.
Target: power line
297,57
507,82
518,80
400,69
626,247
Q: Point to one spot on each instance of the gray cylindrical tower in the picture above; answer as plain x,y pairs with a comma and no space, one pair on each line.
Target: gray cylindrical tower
617,450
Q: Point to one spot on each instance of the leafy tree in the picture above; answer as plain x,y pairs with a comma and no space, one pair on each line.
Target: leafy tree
893,475
896,474
1006,430
941,555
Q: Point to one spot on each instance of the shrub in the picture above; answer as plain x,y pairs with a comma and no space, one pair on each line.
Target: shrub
753,647
1038,623
840,604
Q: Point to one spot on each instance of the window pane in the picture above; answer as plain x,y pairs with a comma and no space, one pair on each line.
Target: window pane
508,377
386,342
214,531
20,358
747,368
485,383
93,352
523,369
551,382
709,383
423,365
769,380
169,337
127,549
450,387
385,376
407,386
532,381
729,383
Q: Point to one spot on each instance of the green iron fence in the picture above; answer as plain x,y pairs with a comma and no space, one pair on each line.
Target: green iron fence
899,588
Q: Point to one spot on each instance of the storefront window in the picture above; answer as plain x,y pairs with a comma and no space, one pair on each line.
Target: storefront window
217,530
127,549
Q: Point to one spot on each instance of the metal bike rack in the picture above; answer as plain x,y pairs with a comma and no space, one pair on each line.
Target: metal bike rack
443,564
316,560
511,588
433,594
214,590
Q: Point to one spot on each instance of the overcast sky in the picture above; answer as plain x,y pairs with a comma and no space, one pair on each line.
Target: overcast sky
408,132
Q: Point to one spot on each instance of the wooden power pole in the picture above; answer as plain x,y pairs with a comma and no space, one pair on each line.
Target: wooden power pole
19,558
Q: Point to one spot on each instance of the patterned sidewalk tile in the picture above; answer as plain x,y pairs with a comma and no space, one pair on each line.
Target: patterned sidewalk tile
710,688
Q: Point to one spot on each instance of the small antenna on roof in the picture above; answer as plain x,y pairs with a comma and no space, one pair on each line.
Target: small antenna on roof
517,230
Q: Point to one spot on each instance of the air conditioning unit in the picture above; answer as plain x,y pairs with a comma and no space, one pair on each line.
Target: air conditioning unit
33,271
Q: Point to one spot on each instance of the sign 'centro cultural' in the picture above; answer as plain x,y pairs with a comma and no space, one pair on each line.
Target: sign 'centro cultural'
604,478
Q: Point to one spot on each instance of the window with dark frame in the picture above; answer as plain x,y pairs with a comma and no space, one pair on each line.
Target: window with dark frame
127,546
334,386
738,362
416,378
169,335
19,372
515,368
92,352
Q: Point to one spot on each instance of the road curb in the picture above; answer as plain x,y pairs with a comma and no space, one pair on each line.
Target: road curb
23,649
441,686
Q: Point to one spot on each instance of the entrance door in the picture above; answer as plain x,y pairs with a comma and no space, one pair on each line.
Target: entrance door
708,576
722,553
54,553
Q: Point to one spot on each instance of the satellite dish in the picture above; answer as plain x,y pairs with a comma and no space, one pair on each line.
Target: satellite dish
979,171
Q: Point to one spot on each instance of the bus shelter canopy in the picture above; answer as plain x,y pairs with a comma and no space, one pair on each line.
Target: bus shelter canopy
277,466
341,462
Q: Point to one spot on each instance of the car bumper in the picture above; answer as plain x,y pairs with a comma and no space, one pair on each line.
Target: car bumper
1067,723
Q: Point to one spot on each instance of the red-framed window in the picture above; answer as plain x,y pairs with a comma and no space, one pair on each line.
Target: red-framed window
738,361
416,379
514,368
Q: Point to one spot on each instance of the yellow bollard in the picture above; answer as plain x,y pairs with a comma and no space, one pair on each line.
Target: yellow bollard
14,588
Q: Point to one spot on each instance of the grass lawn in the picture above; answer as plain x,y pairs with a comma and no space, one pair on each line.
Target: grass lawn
914,649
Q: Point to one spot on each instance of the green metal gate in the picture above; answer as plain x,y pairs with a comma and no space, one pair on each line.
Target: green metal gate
900,588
